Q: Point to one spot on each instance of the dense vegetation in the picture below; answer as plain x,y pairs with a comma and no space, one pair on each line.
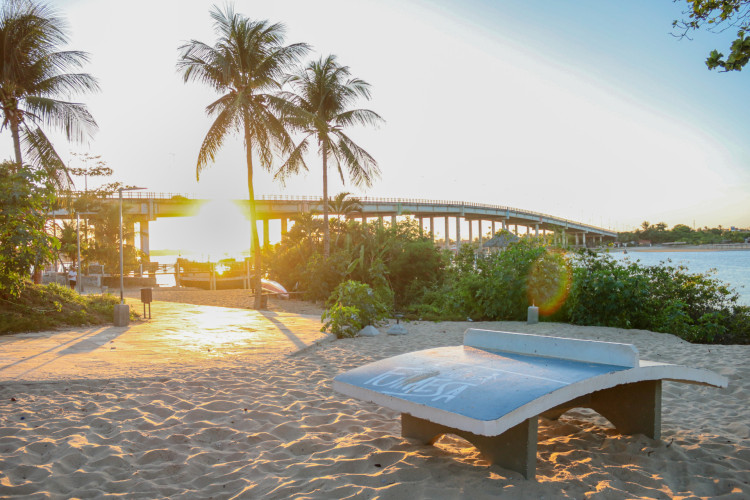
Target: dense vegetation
403,271
39,307
659,233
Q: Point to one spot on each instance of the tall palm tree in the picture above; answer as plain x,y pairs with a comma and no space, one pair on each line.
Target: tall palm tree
33,71
244,66
322,94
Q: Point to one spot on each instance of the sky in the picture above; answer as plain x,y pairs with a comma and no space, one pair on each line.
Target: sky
589,110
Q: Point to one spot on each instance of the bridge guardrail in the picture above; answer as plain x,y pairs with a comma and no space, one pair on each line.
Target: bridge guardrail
422,201
365,199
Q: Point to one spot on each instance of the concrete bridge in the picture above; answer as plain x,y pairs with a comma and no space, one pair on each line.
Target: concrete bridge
143,207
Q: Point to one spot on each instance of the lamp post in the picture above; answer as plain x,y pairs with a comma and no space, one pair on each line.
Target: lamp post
122,281
78,248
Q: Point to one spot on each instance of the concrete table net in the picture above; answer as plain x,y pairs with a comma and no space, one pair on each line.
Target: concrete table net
491,390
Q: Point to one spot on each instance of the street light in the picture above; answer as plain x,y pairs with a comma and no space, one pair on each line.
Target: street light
122,281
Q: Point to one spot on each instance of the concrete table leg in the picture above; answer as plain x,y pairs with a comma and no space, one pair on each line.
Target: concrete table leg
514,449
632,408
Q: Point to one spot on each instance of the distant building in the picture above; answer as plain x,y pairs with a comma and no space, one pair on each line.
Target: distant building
500,241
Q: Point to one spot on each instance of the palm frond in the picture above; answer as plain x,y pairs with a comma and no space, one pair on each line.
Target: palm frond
362,167
295,162
73,118
358,117
224,122
68,83
41,153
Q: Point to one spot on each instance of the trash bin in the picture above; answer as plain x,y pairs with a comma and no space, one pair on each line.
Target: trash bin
146,297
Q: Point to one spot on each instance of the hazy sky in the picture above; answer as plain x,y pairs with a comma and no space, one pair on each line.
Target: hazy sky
589,110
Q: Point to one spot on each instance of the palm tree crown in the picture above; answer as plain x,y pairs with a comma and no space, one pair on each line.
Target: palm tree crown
33,71
323,94
244,66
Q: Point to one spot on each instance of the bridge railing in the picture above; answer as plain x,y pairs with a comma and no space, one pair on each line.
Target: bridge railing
421,201
144,195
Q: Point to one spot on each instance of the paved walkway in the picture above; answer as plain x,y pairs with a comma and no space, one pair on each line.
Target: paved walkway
182,336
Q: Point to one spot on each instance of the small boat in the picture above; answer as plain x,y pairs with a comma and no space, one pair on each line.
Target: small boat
274,287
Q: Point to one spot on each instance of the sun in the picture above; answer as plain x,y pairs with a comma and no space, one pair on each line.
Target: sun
220,230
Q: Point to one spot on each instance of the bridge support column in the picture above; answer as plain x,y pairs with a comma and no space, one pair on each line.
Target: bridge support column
493,229
536,230
515,229
584,240
266,237
471,231
600,240
283,226
380,220
130,234
564,238
458,232
577,242
480,233
447,232
505,224
143,226
432,229
393,221
421,226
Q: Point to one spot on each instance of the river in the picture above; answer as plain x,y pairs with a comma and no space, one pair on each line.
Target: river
732,267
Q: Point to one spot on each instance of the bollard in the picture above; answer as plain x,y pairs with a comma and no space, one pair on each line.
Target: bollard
533,315
122,314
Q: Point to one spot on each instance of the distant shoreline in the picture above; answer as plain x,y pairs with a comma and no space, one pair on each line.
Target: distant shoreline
686,248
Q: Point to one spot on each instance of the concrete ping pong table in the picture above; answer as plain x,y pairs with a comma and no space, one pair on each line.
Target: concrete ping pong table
491,390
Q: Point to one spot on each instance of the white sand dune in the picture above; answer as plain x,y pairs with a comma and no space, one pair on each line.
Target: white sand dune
275,429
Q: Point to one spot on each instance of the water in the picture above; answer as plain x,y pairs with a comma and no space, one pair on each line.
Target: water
732,267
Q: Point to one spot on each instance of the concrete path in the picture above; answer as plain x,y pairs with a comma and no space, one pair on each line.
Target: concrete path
178,336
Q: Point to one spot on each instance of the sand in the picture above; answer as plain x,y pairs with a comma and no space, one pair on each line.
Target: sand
271,427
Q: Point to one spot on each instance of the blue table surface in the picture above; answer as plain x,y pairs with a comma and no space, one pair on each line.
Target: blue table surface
477,383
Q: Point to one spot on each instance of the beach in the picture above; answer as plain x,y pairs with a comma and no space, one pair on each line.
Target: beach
269,425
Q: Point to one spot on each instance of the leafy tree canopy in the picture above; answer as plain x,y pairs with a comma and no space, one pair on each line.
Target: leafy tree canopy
718,16
24,198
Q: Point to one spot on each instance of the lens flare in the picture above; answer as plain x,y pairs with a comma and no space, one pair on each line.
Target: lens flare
549,282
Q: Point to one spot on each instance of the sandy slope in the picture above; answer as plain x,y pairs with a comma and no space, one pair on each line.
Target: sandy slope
277,430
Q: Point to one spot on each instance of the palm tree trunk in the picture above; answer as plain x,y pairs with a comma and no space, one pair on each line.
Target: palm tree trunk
14,130
326,235
255,242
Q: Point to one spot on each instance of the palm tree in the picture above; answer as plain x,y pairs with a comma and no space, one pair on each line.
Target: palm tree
244,66
346,205
323,92
33,71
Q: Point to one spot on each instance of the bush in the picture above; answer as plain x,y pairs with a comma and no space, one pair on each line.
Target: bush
52,306
664,298
351,307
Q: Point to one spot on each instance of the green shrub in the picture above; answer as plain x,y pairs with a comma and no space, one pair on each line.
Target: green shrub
351,307
52,306
342,321
664,298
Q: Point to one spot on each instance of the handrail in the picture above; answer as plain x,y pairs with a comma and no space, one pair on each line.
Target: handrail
421,201
146,195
